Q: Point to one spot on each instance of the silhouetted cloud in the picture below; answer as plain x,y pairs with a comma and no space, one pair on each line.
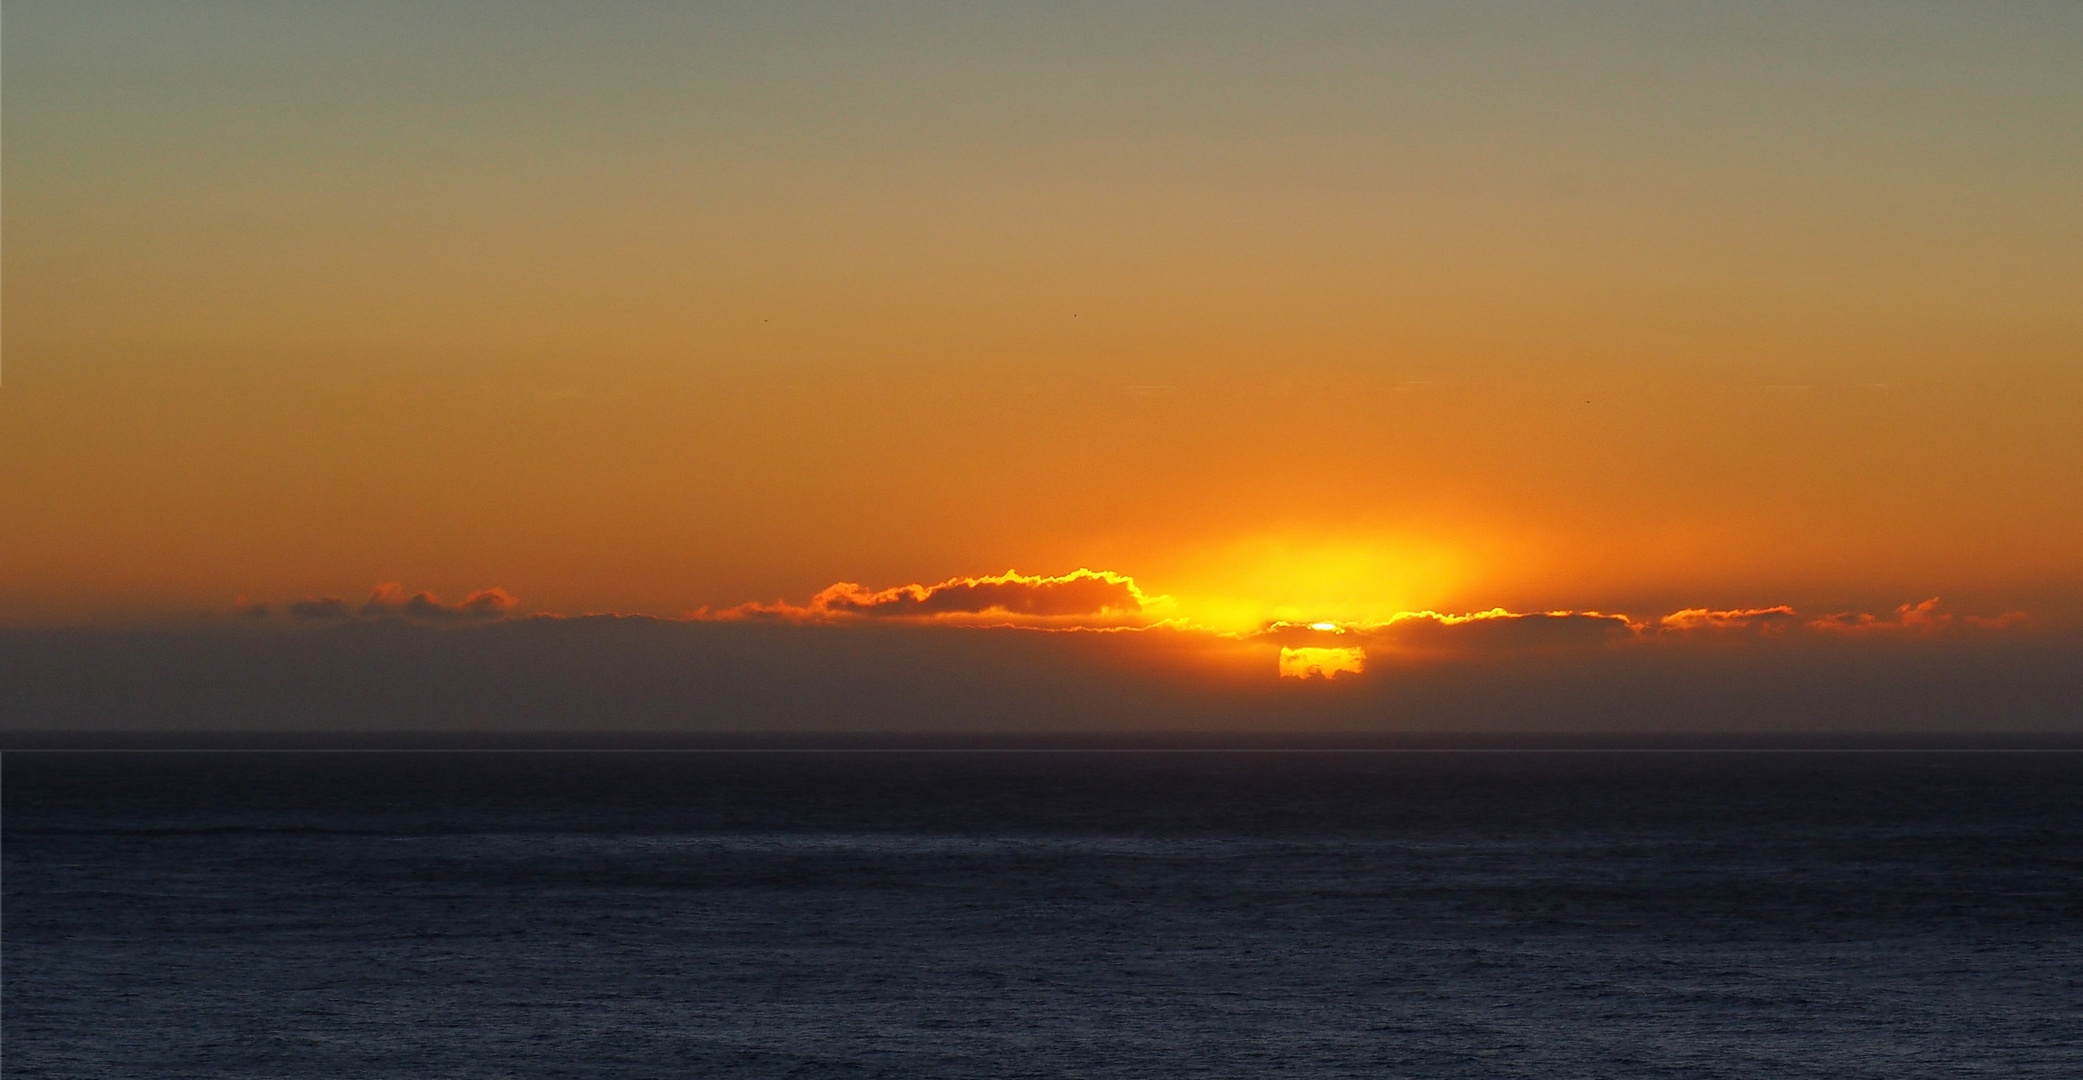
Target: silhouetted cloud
390,599
1079,597
319,607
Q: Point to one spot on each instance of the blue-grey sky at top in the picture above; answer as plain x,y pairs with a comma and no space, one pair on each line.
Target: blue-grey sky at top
1674,144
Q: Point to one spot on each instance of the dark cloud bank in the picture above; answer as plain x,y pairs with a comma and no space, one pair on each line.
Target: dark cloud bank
608,673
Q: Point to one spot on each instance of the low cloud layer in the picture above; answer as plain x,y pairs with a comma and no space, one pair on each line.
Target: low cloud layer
959,652
1428,636
608,673
1086,599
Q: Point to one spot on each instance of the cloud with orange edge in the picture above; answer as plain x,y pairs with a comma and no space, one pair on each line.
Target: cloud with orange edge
1498,629
1771,620
1924,618
1310,653
1916,617
1081,598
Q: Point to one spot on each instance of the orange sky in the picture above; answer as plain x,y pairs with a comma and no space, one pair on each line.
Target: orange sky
1326,316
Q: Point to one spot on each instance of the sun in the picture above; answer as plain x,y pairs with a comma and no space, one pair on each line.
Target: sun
1321,662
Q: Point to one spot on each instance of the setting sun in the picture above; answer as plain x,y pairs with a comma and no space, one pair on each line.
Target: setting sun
847,354
1319,662
1101,539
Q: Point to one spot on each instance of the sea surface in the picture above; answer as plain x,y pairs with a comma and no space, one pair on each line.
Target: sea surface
926,914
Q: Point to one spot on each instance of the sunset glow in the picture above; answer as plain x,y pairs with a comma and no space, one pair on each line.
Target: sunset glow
902,538
1167,344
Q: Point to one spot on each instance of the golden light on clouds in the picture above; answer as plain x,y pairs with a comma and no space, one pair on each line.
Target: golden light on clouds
1105,612
1081,598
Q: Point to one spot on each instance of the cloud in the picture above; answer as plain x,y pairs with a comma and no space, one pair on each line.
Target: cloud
1307,649
1498,629
1915,618
319,607
1771,620
1924,618
390,599
1081,597
1100,600
1428,633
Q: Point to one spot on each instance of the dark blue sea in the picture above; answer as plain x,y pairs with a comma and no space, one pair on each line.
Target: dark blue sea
919,914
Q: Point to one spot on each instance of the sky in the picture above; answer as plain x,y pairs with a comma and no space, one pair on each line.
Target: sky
1378,316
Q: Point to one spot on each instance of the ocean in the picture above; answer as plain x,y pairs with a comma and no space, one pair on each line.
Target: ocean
927,913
